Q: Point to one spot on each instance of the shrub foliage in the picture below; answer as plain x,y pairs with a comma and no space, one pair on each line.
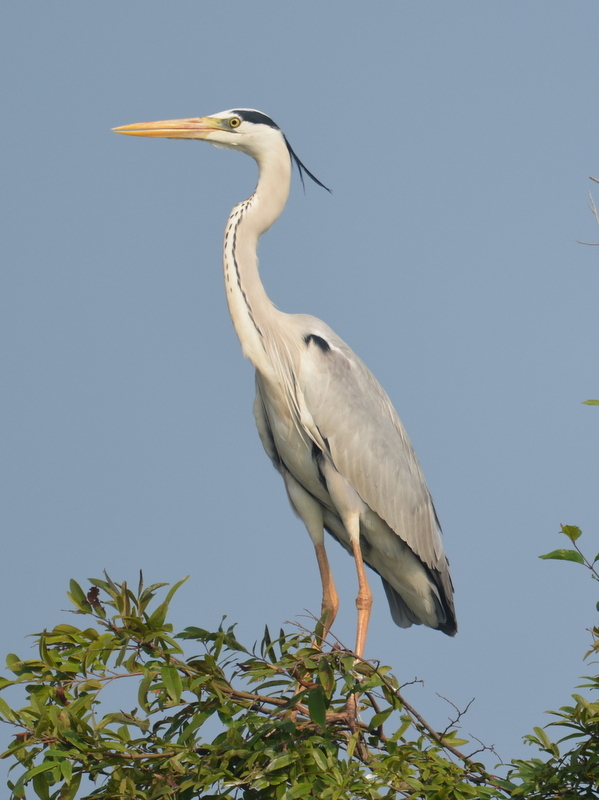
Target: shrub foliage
229,722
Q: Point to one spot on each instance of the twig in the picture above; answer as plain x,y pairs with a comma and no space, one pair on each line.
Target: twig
587,563
433,733
595,213
411,683
594,207
453,722
484,748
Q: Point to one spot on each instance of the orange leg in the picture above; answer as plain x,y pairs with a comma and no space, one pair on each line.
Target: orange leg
363,600
364,605
330,600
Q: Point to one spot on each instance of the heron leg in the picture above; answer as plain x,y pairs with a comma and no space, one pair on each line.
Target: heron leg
310,512
330,599
363,604
364,598
350,507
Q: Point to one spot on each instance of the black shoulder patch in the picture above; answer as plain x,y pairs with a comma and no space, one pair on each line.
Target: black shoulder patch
318,341
257,117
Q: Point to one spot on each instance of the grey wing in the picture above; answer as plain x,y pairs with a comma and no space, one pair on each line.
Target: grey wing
369,446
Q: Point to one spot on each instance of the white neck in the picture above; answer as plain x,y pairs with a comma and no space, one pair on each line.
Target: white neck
252,312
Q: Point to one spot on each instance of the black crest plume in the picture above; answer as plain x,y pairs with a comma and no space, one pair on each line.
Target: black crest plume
301,168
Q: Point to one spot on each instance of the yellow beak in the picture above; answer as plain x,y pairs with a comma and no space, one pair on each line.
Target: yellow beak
193,128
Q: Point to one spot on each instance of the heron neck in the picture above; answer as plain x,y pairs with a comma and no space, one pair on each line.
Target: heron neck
251,310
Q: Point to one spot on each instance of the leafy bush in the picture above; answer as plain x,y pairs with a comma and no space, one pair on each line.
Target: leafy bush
286,727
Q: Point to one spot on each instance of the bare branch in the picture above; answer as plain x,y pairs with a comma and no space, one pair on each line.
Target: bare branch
595,213
484,748
454,722
411,683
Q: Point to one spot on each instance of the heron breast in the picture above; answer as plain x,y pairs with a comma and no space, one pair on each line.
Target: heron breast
294,446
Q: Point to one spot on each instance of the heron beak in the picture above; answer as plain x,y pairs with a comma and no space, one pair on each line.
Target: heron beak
193,128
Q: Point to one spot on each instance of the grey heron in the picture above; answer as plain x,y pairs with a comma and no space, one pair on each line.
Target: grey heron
324,420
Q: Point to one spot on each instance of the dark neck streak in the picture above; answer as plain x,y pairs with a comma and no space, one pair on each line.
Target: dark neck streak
251,310
233,228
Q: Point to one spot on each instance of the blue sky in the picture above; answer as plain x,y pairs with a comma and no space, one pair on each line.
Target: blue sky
457,139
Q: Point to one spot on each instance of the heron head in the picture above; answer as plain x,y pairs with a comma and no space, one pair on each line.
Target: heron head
243,129
238,129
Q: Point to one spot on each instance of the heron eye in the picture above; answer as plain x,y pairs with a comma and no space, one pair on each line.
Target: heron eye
234,122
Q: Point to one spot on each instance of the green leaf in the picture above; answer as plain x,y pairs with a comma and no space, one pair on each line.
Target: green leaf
147,595
582,701
47,765
572,532
319,759
172,681
142,693
545,741
453,739
406,722
14,663
303,789
317,706
125,719
76,740
326,676
41,786
175,588
348,663
6,711
591,402
90,686
124,734
66,629
379,718
169,644
564,555
193,632
282,761
266,646
69,792
196,721
66,769
77,596
351,745
158,616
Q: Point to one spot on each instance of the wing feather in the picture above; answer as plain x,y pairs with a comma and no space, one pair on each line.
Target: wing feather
345,404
